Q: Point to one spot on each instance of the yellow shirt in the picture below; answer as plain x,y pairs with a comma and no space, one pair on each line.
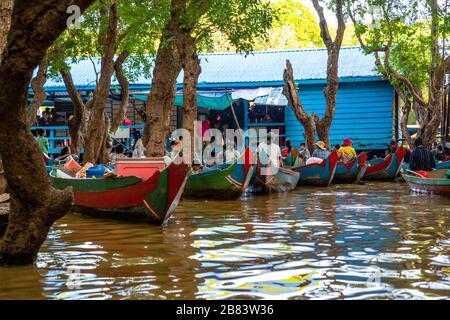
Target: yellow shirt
346,153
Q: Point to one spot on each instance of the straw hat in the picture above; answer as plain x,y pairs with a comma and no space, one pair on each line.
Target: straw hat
321,145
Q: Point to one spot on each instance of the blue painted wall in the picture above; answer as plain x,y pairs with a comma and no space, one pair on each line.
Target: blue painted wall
364,113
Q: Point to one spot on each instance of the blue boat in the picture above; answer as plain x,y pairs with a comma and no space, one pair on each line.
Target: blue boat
318,174
352,171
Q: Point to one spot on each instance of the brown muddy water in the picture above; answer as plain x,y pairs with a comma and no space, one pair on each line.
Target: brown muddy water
376,241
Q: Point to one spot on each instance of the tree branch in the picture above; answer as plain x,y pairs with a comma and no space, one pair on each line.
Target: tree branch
324,32
37,84
118,118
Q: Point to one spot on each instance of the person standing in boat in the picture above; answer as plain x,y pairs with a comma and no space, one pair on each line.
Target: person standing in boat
42,141
272,153
347,152
421,158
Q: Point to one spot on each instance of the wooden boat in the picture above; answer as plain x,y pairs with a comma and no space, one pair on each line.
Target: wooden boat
281,180
443,165
439,165
352,171
318,174
127,198
387,168
222,182
437,183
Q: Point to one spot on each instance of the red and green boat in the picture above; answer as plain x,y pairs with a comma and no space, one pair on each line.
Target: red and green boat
272,180
127,197
386,169
437,183
318,174
222,182
351,171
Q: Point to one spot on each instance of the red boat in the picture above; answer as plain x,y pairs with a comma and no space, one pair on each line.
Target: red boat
128,198
387,168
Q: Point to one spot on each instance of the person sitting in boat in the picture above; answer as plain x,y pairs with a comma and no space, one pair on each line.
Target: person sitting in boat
286,150
304,154
286,153
229,154
196,168
421,158
272,150
138,147
321,151
336,147
117,153
65,153
346,152
392,148
440,154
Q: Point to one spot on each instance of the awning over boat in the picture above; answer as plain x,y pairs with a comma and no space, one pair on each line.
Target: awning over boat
215,101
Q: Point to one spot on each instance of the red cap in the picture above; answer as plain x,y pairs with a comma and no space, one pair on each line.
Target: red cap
347,142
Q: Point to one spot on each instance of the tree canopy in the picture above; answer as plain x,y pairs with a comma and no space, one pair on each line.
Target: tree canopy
409,41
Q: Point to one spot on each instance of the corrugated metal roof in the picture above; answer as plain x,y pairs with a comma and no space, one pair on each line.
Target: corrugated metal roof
258,67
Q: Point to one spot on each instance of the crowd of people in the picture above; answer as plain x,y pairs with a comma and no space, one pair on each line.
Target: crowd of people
419,157
345,151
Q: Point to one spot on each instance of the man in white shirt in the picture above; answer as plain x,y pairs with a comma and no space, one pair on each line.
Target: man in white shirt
272,153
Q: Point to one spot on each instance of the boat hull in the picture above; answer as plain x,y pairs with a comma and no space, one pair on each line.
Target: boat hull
431,186
152,200
351,172
223,182
284,180
443,165
386,169
318,174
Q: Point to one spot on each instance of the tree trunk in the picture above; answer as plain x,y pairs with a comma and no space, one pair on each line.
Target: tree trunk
191,68
79,108
404,122
6,8
120,115
34,205
290,91
94,133
37,84
161,97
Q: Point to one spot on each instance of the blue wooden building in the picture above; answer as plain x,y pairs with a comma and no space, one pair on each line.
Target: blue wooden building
366,108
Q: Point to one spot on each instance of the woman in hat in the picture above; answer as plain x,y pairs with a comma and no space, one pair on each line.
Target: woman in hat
346,152
321,151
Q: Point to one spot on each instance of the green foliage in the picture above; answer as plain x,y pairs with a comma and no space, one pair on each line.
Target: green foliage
409,24
293,26
240,23
139,28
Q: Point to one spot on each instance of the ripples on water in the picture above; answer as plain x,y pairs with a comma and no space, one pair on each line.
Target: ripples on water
355,242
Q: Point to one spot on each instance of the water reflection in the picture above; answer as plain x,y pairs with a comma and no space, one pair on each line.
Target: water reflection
355,242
